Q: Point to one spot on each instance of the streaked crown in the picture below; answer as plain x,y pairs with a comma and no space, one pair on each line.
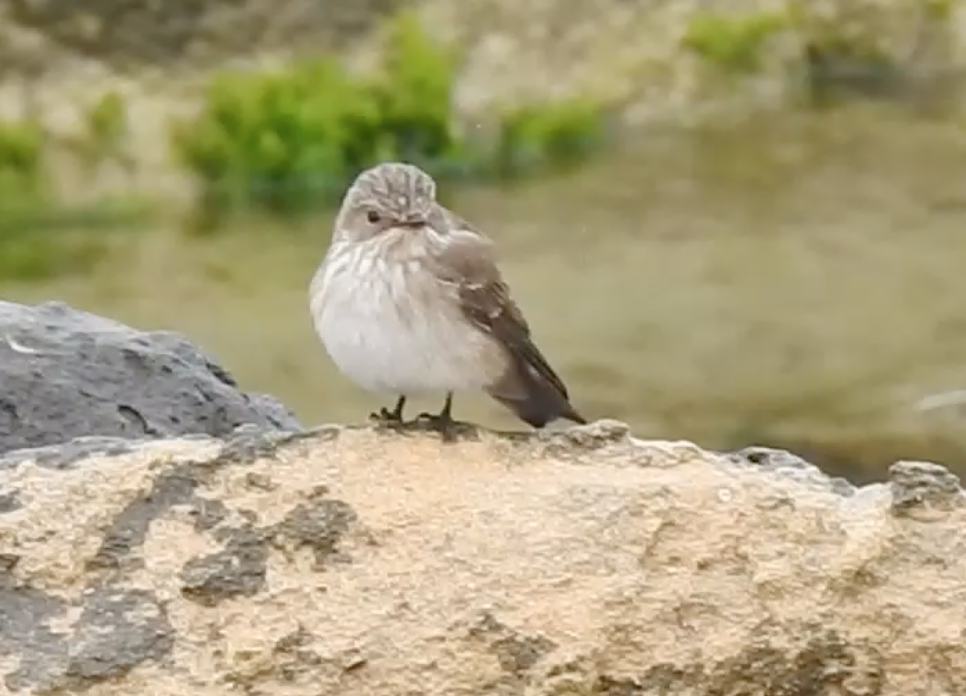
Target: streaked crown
399,190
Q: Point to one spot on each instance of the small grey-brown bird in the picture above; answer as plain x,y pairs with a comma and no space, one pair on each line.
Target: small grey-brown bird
409,300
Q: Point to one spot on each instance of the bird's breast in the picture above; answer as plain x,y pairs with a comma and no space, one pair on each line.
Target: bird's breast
391,326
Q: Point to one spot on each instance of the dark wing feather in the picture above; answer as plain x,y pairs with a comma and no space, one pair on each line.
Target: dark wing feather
469,263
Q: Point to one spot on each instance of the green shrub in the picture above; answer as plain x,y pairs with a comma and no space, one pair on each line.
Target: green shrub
21,163
938,9
40,238
279,141
290,141
536,138
734,44
105,131
44,255
23,192
24,254
842,57
414,94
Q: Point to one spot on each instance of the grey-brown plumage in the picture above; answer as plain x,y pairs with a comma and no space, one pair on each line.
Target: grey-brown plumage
410,299
528,386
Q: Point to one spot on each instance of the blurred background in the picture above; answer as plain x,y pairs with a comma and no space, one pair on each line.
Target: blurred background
740,222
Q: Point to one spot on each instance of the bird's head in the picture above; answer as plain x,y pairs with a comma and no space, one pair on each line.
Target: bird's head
389,196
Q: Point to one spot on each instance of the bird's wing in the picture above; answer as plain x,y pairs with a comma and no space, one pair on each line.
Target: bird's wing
468,263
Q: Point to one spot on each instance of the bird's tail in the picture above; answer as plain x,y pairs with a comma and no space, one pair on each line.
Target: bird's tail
532,398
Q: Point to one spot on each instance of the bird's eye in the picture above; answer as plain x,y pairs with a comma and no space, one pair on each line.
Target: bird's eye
373,217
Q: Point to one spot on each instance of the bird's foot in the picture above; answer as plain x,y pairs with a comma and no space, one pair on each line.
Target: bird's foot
444,424
386,418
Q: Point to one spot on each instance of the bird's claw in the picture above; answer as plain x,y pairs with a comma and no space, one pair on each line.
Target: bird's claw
440,423
386,417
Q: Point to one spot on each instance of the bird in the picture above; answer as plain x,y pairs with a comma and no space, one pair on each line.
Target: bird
409,300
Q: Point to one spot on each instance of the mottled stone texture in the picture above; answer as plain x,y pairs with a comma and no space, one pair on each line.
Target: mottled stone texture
349,561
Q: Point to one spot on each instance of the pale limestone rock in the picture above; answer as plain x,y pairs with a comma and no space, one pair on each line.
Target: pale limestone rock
348,561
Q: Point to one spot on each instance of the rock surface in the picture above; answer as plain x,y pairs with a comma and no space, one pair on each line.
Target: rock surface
68,374
351,561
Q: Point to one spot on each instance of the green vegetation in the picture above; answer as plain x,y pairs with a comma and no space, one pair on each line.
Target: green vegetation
277,141
413,94
21,162
850,53
938,9
40,236
23,190
106,131
277,144
733,43
290,141
558,135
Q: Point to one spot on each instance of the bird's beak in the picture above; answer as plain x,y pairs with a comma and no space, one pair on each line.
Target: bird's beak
413,224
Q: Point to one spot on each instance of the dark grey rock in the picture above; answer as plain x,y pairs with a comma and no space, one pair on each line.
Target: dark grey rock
8,502
25,633
8,561
130,526
823,665
118,627
118,630
318,525
516,652
237,571
70,374
923,485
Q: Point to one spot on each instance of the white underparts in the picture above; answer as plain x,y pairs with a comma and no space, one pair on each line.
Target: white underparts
390,326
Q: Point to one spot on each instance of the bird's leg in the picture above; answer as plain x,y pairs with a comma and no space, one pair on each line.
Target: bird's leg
443,422
393,417
397,412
